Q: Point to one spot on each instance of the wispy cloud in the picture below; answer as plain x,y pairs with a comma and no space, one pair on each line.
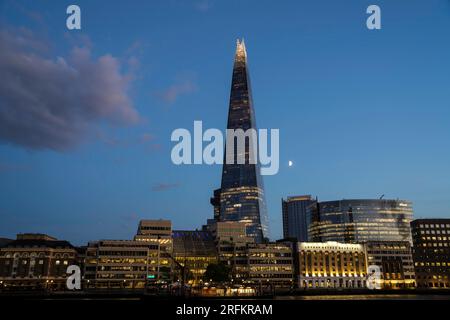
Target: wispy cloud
203,5
149,142
165,186
147,137
173,92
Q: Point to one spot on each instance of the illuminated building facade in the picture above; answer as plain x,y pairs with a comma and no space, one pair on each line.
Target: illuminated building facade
295,218
231,242
242,191
360,220
331,265
395,261
35,262
271,264
195,250
431,252
158,232
125,264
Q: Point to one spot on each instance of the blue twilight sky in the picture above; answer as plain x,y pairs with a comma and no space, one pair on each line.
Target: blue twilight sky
361,113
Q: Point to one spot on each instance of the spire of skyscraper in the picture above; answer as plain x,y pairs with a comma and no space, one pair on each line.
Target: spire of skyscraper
241,53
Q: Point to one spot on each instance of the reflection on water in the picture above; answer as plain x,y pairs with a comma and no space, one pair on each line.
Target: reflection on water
368,297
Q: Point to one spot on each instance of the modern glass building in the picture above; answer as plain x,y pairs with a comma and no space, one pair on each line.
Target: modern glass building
360,220
295,222
242,191
195,250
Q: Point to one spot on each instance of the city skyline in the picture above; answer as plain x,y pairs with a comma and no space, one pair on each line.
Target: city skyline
361,114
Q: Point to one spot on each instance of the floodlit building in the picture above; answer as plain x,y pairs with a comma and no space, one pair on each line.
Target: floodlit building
35,262
331,265
431,252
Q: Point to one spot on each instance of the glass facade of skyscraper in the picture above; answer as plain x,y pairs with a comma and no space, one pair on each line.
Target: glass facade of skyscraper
295,222
242,191
360,220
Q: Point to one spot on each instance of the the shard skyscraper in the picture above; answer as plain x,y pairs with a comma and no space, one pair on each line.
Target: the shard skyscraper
241,197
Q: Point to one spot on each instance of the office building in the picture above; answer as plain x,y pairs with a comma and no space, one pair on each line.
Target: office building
360,220
231,241
154,229
431,252
194,250
125,264
271,265
394,258
295,219
230,231
158,232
